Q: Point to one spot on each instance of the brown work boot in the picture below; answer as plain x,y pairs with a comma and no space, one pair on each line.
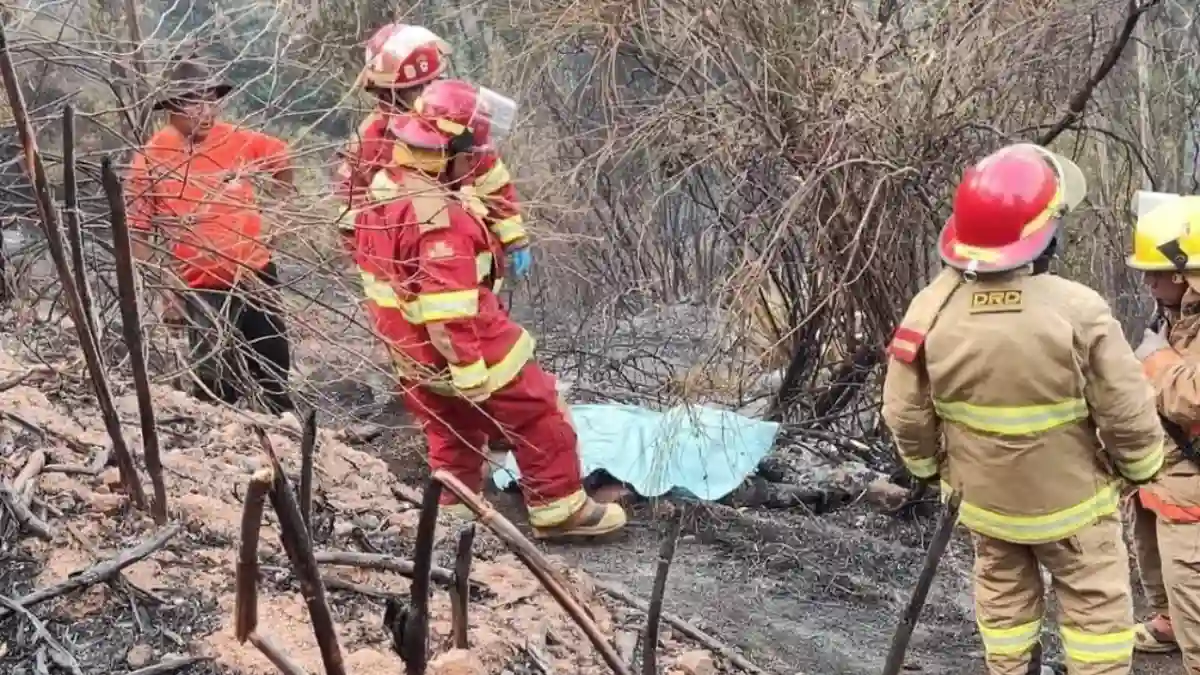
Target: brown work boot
1155,636
593,519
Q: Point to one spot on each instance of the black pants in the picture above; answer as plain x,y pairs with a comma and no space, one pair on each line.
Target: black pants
238,339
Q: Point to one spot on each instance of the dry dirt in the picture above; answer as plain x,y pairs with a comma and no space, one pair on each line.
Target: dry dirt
796,592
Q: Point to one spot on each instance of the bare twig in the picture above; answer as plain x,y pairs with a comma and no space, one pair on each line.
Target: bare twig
103,571
537,563
666,553
413,647
61,655
704,639
167,666
275,655
24,517
1077,104
912,613
49,218
131,324
460,592
308,446
246,601
380,561
71,216
298,547
128,583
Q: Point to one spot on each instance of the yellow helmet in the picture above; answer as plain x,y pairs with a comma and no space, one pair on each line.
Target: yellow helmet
1167,234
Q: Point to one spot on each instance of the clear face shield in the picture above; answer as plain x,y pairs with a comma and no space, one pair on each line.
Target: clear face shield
499,110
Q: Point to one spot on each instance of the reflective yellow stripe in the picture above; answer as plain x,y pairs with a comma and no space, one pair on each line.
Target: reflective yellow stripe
510,229
483,266
1143,469
425,308
921,467
443,306
500,374
379,292
1037,529
470,376
1097,647
493,180
1012,641
1012,420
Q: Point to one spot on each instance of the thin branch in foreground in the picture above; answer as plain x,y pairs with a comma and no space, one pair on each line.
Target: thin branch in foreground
666,553
49,218
308,446
131,325
60,653
460,592
537,563
912,613
245,612
71,215
275,655
703,639
383,562
414,649
294,537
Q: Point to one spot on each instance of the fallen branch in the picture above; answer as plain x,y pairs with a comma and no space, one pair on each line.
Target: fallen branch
275,654
294,537
245,612
382,562
24,517
666,553
73,443
100,572
131,325
537,563
912,613
61,656
167,666
704,639
49,219
460,592
121,578
93,468
308,446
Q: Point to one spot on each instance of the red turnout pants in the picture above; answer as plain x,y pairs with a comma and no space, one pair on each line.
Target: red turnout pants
525,412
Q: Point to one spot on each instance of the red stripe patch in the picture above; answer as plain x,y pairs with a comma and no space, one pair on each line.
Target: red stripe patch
906,344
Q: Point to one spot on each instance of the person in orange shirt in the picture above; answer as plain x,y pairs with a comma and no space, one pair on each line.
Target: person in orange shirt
193,185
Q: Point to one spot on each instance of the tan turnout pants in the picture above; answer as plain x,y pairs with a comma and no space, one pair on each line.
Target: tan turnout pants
1144,535
1179,546
1090,576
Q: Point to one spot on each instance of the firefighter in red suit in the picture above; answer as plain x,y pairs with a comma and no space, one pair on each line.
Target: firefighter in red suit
402,63
430,268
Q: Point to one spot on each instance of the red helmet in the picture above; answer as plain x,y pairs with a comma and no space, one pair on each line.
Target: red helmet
400,56
1008,207
456,115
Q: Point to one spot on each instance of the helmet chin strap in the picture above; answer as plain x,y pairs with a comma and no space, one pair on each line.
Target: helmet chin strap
1041,264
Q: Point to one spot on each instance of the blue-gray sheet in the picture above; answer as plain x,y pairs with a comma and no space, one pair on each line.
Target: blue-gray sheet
705,451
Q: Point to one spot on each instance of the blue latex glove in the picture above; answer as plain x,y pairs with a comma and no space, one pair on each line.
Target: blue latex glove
519,261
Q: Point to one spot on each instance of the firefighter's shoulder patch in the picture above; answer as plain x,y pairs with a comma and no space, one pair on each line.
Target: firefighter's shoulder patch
1001,300
906,344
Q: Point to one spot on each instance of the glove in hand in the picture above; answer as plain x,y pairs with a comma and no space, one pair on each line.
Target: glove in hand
519,261
1151,342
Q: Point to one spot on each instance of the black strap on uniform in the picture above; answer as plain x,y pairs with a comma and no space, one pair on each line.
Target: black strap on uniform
1187,446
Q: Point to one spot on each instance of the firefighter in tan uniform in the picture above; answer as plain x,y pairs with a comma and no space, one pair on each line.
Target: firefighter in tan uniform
1017,389
1166,247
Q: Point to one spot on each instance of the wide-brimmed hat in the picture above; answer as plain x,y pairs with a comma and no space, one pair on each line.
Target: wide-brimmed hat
189,78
